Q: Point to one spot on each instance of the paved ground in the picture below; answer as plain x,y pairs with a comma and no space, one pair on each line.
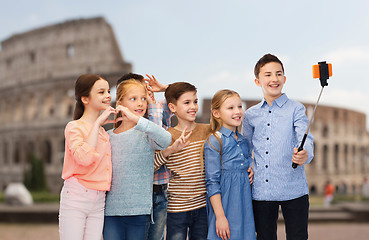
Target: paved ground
317,231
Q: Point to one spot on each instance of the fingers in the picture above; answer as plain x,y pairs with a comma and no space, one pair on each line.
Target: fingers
224,234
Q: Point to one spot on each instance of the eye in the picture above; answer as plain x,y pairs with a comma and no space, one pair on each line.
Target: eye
109,91
132,99
143,99
196,101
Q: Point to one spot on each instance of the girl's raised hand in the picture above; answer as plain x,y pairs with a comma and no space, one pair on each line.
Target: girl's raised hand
153,85
103,118
127,114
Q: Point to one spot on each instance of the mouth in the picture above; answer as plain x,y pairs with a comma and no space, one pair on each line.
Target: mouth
140,111
192,113
274,85
106,102
237,118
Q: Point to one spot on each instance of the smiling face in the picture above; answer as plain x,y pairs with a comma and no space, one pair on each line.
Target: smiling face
135,100
186,107
271,80
230,112
99,97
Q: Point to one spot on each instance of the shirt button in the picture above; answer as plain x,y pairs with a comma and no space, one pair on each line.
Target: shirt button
270,111
86,190
106,140
107,169
107,154
267,138
238,145
268,124
266,152
266,180
241,154
266,166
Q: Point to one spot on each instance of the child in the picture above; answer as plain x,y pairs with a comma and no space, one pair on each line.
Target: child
227,160
87,164
133,142
187,191
274,129
158,113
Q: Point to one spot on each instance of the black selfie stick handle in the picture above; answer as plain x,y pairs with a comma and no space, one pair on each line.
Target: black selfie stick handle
294,165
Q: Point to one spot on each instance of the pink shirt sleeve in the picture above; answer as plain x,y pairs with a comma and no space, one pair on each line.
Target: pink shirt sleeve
82,153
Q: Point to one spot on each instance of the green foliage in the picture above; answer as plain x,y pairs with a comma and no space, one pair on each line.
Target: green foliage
34,178
45,196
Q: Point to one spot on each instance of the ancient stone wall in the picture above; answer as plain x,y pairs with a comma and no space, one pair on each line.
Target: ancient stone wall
38,70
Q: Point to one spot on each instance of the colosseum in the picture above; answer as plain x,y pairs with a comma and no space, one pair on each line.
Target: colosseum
341,147
37,74
38,70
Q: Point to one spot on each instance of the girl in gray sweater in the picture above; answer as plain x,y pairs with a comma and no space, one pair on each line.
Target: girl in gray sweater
133,141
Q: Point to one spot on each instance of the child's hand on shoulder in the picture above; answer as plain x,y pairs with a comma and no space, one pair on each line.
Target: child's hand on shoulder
299,157
127,114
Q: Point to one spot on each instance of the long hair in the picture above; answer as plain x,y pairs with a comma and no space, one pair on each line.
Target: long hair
216,123
83,88
122,89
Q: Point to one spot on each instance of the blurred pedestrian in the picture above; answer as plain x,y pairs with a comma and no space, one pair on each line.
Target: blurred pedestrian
328,194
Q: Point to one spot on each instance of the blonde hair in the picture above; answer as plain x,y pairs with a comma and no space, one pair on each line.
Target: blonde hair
216,123
216,102
122,89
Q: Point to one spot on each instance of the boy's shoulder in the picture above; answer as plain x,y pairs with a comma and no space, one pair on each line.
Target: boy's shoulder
201,131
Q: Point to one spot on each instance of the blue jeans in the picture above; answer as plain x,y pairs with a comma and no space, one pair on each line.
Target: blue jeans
195,221
156,229
125,227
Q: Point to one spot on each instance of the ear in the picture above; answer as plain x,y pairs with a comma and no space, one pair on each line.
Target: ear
284,80
257,82
85,100
172,107
215,113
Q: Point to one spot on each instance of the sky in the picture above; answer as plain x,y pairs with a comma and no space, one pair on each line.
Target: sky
214,44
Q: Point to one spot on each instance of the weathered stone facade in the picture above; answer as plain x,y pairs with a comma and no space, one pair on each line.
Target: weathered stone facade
341,143
38,70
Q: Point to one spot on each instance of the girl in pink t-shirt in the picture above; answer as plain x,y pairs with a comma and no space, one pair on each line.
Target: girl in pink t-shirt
87,161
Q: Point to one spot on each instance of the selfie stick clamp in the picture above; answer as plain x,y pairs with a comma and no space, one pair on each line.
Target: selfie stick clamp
322,71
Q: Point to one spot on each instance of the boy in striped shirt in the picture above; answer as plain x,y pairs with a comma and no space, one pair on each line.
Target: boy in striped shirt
187,191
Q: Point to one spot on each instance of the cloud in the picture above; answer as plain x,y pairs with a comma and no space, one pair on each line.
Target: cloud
350,55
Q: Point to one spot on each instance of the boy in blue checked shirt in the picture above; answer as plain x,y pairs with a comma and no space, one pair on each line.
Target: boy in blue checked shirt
159,113
274,129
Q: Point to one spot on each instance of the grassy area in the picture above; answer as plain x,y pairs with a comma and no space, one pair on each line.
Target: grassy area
39,197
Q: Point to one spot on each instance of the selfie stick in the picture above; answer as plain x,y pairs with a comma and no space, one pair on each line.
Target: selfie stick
322,71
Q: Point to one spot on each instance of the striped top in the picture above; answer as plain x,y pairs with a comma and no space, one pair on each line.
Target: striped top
186,191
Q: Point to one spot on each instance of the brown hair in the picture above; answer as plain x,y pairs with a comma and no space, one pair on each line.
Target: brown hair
83,88
175,90
267,58
129,76
123,89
